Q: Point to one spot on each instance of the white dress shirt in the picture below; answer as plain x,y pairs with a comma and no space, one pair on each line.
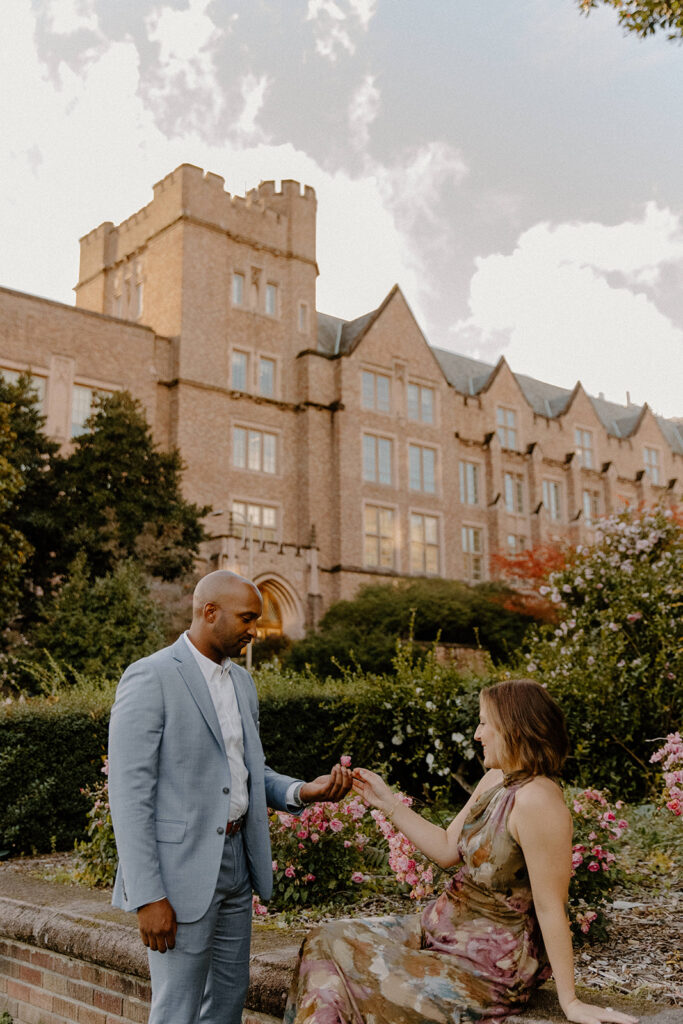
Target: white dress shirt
222,691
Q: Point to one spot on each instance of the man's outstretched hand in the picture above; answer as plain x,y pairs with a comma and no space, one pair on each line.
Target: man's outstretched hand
157,925
327,787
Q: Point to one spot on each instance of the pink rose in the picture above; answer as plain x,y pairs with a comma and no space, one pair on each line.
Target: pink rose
593,866
347,843
315,838
345,761
357,877
274,865
336,825
290,872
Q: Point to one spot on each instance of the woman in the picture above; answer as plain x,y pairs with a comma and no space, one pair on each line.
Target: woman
478,951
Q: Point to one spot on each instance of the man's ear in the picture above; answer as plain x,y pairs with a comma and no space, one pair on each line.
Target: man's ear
210,610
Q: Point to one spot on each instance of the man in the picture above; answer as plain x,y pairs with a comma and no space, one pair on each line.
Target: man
189,791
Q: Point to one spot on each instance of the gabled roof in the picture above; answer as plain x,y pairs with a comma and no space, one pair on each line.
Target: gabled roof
339,337
471,376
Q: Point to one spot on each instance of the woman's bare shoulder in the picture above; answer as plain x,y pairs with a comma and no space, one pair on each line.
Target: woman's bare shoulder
541,792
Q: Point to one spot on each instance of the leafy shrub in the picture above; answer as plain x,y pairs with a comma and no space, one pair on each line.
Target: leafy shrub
418,723
614,660
362,633
97,855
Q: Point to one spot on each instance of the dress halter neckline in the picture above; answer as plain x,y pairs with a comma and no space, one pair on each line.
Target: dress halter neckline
510,778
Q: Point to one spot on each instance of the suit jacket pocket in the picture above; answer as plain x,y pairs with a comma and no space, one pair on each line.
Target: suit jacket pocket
170,831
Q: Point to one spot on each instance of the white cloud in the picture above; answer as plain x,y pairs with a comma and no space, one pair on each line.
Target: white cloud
67,16
549,308
253,89
334,26
186,72
363,110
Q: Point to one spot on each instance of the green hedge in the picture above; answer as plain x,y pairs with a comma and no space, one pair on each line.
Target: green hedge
50,748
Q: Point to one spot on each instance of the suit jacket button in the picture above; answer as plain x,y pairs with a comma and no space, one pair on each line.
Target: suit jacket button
226,789
220,831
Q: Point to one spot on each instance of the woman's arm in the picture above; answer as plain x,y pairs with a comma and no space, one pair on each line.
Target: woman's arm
440,845
541,823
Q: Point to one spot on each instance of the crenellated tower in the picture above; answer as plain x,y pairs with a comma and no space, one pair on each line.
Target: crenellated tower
215,271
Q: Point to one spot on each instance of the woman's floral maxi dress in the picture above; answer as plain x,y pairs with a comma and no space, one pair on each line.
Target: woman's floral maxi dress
475,953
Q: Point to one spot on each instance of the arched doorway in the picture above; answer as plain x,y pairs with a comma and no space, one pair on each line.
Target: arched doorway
282,611
270,623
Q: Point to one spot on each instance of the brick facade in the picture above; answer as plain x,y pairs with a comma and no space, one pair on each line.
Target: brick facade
360,452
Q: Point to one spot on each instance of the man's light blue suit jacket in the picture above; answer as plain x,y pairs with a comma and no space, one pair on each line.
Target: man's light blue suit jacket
169,785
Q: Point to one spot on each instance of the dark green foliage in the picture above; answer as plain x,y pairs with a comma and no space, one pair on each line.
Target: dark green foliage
122,497
363,631
99,626
14,547
31,511
50,749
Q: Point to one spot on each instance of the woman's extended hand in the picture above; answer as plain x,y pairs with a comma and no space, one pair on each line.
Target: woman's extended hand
374,790
588,1013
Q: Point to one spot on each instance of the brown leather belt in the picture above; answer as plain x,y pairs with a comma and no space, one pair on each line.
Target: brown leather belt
233,827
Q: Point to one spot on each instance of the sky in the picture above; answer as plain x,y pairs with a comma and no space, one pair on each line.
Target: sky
514,166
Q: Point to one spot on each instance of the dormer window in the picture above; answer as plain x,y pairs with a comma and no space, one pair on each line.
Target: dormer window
506,420
651,458
583,446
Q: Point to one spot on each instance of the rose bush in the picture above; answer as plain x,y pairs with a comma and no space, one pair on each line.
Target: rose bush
671,757
598,828
318,855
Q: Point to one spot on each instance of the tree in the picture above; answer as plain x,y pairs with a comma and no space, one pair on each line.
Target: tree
121,496
644,17
14,548
98,626
31,509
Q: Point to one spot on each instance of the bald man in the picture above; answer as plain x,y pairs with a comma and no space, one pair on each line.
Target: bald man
189,791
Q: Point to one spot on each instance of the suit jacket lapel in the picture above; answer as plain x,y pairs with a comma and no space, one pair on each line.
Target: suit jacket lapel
196,684
252,743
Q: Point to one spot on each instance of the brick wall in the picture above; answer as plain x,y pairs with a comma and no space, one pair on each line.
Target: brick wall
41,987
38,986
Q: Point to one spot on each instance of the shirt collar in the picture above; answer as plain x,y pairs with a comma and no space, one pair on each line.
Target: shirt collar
207,666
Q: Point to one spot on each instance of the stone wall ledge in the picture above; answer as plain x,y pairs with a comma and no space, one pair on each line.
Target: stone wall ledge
109,944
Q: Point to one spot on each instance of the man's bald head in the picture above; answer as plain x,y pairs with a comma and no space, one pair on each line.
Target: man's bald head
225,610
218,586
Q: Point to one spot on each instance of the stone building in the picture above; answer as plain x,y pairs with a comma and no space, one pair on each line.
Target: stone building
354,452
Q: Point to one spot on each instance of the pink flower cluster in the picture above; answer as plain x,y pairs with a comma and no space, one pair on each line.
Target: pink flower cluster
585,920
671,756
257,907
401,857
